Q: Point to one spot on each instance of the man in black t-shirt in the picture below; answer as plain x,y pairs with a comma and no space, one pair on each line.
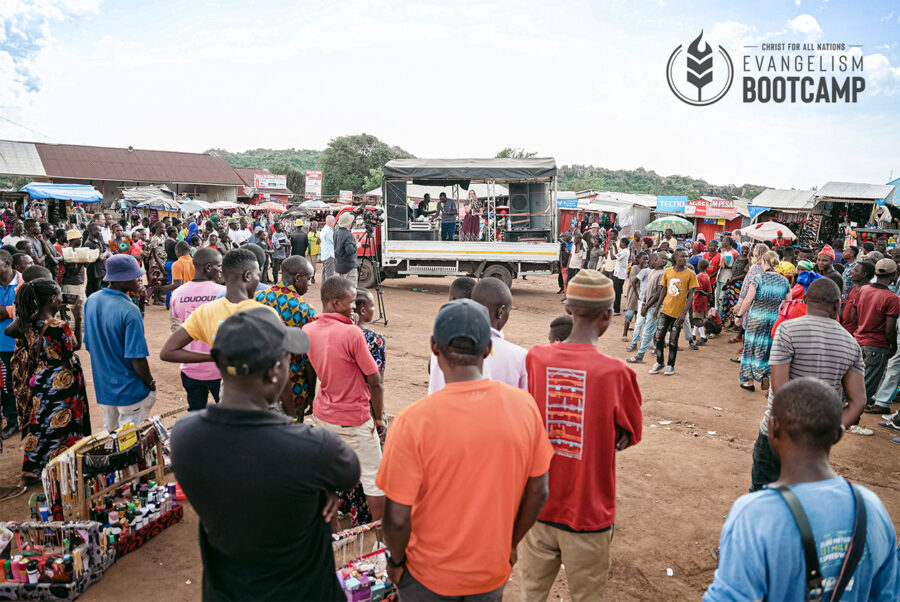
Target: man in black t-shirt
299,239
262,485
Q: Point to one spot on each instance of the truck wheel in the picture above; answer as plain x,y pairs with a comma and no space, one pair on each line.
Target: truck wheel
500,272
366,274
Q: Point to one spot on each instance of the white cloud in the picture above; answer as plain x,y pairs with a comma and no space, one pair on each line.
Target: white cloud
806,25
887,17
881,76
798,2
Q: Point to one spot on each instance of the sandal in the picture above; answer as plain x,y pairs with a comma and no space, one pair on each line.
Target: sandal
736,339
747,387
11,492
764,383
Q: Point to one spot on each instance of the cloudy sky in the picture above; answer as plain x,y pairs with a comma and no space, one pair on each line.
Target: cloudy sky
581,81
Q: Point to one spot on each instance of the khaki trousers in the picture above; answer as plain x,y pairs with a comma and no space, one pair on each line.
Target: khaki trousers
585,555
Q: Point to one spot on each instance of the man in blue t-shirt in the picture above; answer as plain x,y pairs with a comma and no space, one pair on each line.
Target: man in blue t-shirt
10,281
447,208
114,336
761,555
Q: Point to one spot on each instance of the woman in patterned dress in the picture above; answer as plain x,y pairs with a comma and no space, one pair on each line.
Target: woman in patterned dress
49,382
732,291
758,313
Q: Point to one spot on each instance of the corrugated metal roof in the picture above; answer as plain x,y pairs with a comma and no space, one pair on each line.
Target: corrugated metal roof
627,198
777,198
852,190
246,175
119,164
20,159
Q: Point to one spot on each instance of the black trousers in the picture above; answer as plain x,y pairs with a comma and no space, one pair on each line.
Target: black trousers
766,466
666,325
198,391
618,283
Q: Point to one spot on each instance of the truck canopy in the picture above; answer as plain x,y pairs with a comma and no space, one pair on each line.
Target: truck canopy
460,171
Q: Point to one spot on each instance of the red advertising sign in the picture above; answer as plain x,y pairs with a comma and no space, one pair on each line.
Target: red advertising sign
711,208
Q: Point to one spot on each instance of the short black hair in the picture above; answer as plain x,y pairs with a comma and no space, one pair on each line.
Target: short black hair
787,251
36,272
824,291
702,265
363,295
463,285
171,230
492,293
868,269
204,256
237,260
182,248
561,327
336,287
809,411
869,246
852,251
5,256
18,258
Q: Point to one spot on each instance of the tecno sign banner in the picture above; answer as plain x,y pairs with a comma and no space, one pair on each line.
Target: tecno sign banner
701,72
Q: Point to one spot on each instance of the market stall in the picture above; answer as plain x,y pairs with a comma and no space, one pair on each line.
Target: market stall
858,212
58,202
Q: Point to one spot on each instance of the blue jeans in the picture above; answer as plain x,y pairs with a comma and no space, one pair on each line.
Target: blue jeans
875,359
168,266
638,325
650,326
448,229
888,387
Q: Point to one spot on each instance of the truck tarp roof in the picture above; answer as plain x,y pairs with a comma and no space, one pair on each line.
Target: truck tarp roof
422,170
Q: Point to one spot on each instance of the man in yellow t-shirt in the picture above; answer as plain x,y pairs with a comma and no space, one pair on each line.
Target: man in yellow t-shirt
241,271
313,249
679,283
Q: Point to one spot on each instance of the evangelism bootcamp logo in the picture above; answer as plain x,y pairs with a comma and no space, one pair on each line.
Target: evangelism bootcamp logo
699,76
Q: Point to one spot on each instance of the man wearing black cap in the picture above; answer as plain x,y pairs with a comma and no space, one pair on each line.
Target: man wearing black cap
484,480
262,485
114,336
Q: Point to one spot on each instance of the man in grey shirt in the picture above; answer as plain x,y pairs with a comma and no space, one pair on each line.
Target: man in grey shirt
812,345
447,208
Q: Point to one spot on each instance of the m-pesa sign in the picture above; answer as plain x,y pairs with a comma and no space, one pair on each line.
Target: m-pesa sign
711,208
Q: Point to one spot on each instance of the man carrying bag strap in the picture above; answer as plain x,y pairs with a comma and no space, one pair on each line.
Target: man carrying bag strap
849,546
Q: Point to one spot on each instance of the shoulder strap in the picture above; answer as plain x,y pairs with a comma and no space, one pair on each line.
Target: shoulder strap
814,588
857,544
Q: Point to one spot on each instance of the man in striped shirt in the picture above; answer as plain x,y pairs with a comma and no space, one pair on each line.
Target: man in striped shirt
812,345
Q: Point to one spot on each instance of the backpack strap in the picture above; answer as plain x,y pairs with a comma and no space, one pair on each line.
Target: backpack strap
857,544
814,588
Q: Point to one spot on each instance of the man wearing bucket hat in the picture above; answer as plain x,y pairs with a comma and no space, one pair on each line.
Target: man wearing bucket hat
269,537
73,273
114,336
345,249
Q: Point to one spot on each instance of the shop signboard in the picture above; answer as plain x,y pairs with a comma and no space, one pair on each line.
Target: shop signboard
266,180
313,184
711,208
671,204
346,197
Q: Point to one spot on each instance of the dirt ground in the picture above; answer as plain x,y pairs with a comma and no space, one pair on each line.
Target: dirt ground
673,489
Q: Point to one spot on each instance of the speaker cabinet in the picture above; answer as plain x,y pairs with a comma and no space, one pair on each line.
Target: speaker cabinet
519,206
539,205
397,213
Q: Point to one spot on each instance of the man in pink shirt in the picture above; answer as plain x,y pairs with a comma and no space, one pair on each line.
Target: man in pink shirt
348,378
203,378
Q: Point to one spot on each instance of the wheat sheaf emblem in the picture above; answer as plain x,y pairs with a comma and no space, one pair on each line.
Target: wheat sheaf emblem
699,65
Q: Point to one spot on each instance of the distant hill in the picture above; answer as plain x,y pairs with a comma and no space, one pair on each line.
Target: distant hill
641,181
276,161
571,177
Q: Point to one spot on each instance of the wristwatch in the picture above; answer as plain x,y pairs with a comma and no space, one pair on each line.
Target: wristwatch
391,563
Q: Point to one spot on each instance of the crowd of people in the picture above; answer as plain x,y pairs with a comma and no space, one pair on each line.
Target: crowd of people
510,457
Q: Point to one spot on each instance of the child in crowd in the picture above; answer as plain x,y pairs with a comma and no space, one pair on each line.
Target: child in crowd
637,281
560,329
701,305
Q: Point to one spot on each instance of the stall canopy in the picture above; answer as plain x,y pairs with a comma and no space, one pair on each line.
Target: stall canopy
461,171
79,193
418,191
787,201
151,196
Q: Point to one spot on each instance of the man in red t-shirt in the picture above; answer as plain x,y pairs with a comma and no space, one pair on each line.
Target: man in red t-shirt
348,378
875,312
700,305
591,406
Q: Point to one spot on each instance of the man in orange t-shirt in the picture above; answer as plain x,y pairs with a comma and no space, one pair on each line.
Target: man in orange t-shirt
183,269
460,499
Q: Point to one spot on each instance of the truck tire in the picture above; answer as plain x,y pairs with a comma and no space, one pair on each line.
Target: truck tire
366,273
498,271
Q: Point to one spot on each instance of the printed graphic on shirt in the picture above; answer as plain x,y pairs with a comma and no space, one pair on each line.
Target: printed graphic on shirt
565,410
675,287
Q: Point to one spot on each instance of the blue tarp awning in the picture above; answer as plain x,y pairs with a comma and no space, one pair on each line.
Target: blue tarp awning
80,193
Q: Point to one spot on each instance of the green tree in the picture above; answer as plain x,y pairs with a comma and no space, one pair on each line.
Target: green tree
348,160
373,180
514,153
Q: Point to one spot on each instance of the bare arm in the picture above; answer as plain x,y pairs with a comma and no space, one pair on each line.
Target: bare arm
174,350
397,528
376,393
536,492
855,389
779,375
142,367
751,294
890,331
